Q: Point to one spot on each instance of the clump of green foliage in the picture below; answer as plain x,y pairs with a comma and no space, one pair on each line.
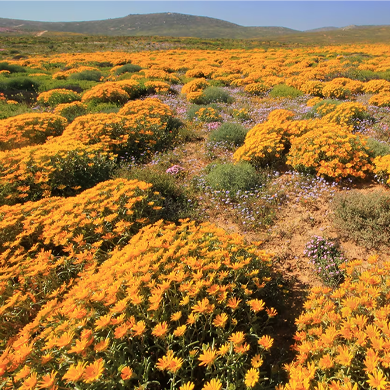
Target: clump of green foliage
364,216
231,134
233,178
284,91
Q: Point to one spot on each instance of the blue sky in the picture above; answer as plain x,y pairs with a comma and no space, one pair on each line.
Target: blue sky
300,15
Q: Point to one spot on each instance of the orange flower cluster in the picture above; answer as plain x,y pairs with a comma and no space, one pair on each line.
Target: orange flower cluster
48,243
29,129
382,168
64,75
331,151
342,341
171,287
108,92
269,141
256,89
141,126
380,100
347,114
33,172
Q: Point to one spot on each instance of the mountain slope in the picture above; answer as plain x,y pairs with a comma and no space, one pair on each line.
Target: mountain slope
161,24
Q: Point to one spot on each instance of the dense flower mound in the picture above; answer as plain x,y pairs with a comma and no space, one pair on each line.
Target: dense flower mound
376,86
65,74
46,244
256,89
194,89
347,114
382,169
65,168
140,127
342,88
159,74
380,100
29,129
312,87
155,86
269,141
57,96
330,151
108,92
342,341
178,303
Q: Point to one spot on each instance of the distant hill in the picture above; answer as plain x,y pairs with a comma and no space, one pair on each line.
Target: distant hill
181,25
161,24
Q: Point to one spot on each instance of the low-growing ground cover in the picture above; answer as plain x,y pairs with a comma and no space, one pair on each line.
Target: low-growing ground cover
165,216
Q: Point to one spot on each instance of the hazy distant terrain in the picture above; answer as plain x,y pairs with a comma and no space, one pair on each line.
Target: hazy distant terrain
180,25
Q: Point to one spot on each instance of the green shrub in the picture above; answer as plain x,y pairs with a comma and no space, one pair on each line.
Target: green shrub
284,91
365,217
230,133
90,75
18,84
215,95
128,68
377,148
71,111
104,108
233,178
12,68
8,110
74,85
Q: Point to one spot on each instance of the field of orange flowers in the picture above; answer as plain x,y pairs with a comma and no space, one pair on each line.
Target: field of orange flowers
139,197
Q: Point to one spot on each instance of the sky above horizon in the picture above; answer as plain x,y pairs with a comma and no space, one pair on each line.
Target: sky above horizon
299,15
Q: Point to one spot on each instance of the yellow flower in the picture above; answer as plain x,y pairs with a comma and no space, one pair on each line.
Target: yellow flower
93,371
220,320
251,377
207,357
256,361
214,384
126,373
377,380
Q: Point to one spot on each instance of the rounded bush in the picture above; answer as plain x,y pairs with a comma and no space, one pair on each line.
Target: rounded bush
215,95
127,68
29,129
90,75
380,100
146,316
330,151
106,93
257,89
71,111
83,229
35,172
341,338
284,91
230,133
268,142
233,177
57,96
